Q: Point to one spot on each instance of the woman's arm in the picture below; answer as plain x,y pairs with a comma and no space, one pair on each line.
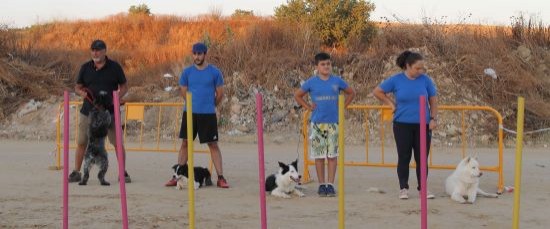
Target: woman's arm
433,112
381,95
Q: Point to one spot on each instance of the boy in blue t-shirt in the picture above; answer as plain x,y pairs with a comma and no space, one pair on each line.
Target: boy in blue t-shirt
323,90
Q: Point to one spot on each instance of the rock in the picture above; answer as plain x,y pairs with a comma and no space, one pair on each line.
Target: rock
485,139
452,130
278,116
234,132
29,107
524,53
235,108
376,190
243,129
490,72
278,139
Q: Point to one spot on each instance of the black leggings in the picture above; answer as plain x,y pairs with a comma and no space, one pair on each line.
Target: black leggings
407,139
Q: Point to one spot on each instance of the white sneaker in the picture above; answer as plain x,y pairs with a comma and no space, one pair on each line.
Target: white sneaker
404,194
429,195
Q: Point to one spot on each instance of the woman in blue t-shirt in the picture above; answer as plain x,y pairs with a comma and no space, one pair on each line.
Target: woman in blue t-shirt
406,87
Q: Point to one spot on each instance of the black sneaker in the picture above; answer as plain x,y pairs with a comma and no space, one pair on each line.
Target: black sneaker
330,191
74,177
322,190
127,178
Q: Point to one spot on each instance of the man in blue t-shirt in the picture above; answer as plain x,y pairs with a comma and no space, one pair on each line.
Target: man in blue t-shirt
323,90
205,82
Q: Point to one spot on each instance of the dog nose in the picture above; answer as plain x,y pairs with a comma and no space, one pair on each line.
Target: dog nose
300,176
480,173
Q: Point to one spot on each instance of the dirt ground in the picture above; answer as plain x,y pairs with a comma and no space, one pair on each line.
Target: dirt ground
31,194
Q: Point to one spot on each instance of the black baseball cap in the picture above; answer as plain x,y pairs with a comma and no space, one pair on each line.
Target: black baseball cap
98,45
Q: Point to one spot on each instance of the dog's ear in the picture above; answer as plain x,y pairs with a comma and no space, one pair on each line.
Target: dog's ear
468,159
282,165
295,164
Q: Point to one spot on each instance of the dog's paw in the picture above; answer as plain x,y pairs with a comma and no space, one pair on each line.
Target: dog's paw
301,195
81,183
105,183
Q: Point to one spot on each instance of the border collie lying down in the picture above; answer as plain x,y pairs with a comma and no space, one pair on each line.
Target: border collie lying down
202,176
283,183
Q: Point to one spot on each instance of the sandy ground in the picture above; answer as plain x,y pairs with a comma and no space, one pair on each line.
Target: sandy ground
30,194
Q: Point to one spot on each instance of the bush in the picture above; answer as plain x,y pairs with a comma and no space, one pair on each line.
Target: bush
336,22
141,9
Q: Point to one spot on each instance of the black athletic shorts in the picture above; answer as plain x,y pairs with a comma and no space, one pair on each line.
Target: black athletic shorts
205,125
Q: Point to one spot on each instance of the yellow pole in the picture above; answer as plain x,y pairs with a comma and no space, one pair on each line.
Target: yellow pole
341,222
191,180
306,176
463,136
519,148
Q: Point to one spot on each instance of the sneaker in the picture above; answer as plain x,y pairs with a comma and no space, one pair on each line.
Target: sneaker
171,182
74,177
330,190
222,183
127,178
429,195
322,190
404,194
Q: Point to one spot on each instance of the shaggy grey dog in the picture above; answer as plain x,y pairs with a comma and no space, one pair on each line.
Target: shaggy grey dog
100,122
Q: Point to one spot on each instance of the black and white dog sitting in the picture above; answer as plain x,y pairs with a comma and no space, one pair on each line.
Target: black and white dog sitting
283,183
202,176
100,122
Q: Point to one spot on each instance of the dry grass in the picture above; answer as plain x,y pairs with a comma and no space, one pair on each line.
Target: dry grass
258,51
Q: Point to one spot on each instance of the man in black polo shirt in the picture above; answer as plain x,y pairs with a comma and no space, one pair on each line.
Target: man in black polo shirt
98,74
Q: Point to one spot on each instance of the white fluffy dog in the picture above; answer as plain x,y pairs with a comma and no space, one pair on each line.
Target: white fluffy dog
464,182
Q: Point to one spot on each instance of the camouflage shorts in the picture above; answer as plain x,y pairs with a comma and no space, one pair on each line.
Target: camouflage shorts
323,140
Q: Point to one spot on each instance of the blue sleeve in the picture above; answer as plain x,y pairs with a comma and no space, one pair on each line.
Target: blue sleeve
306,86
343,85
219,78
430,87
184,78
388,85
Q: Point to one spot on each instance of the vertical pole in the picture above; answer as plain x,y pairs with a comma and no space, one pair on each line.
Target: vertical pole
519,148
190,161
66,160
121,161
261,164
423,166
341,211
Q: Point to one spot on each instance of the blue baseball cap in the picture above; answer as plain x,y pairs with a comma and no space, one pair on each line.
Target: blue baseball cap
199,48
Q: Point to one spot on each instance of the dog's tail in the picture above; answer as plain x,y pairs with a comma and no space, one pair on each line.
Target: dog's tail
208,178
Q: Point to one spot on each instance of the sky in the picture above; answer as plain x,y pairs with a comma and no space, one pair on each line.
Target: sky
22,13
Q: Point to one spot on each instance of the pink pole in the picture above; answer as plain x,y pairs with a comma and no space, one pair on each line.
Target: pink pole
66,160
260,131
423,168
121,161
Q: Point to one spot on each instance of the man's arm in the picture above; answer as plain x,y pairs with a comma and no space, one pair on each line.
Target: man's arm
122,90
219,95
183,91
79,89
